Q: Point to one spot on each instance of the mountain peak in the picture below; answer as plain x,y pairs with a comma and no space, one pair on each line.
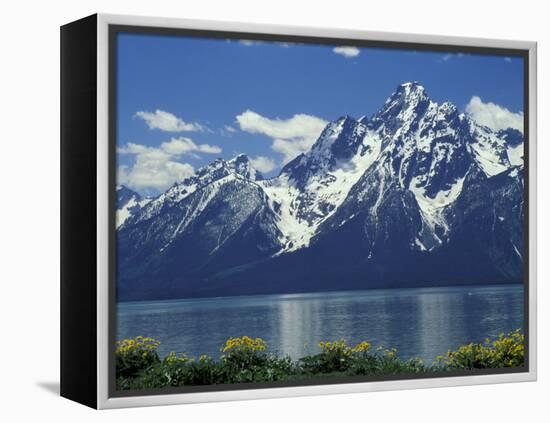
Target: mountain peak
408,101
239,158
448,107
242,165
219,168
415,178
124,193
345,118
410,90
411,85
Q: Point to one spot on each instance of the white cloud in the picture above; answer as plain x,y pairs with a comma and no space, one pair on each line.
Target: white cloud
346,51
508,59
449,56
263,164
184,145
229,128
132,148
290,136
494,116
159,167
290,148
153,169
250,43
166,121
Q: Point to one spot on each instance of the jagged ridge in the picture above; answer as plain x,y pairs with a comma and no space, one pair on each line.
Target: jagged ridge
410,184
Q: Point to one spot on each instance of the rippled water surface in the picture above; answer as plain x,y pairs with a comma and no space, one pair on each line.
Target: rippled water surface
423,322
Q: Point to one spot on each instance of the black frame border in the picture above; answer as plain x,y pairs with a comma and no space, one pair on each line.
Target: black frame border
115,29
78,211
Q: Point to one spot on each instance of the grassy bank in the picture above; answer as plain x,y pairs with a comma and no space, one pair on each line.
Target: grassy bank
246,359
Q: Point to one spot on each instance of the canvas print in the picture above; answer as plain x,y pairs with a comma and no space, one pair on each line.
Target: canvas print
300,211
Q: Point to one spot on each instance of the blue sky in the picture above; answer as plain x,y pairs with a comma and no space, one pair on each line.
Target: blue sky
184,101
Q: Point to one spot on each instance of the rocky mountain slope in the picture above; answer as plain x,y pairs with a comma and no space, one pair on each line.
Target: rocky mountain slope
416,195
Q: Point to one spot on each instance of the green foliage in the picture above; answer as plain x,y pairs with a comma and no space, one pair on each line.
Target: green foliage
246,359
135,355
505,351
336,356
360,360
386,362
178,371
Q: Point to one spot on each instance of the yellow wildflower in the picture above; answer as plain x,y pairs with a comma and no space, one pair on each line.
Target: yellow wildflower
244,343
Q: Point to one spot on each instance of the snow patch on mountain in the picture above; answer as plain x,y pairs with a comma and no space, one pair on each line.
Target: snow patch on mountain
409,162
303,202
489,150
282,193
206,196
218,169
128,204
432,209
515,155
129,209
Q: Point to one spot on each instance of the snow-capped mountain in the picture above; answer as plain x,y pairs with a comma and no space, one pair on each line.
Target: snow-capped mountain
311,187
218,169
416,194
128,204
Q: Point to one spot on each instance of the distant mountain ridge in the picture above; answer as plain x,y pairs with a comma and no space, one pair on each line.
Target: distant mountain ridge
416,195
128,203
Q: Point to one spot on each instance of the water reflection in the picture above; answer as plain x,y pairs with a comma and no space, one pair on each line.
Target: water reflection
418,322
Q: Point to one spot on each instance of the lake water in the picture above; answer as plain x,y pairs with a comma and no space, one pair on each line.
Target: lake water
423,323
